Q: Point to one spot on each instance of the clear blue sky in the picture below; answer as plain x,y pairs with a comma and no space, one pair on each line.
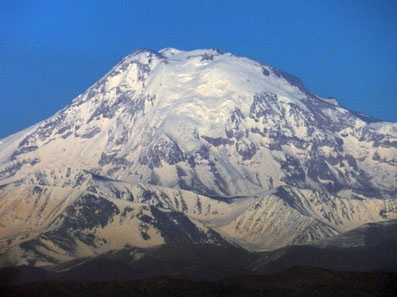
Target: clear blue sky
51,51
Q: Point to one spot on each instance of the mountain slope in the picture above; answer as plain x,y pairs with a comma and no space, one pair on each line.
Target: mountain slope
198,146
208,262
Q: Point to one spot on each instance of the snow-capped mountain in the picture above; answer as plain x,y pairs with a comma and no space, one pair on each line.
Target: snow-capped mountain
199,146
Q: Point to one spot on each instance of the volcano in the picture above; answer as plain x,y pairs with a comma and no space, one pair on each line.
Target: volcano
192,147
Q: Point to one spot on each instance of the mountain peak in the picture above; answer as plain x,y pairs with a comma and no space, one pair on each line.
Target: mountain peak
196,146
172,107
180,54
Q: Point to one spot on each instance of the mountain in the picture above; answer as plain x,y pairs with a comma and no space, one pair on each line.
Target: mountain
199,147
208,262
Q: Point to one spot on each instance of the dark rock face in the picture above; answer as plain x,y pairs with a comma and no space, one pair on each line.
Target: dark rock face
14,167
176,227
218,141
293,80
246,151
164,150
90,211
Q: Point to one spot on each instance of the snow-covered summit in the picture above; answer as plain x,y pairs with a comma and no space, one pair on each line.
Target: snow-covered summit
156,115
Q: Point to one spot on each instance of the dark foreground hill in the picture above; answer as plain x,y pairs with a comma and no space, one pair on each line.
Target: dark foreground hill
297,281
368,248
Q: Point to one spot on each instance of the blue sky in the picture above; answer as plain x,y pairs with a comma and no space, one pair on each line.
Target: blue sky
51,51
